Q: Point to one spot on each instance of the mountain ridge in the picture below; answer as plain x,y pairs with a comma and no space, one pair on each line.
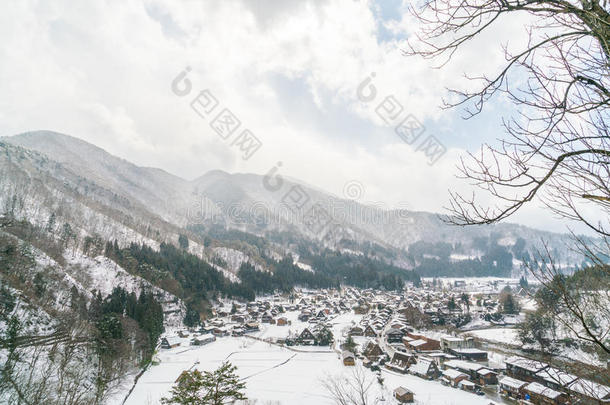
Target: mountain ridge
242,201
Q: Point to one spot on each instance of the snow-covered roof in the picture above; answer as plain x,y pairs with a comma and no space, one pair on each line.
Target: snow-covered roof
485,371
556,376
453,374
452,339
402,391
469,351
464,365
540,389
590,389
421,367
512,382
173,340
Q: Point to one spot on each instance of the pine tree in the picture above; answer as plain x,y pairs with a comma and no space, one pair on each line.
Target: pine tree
183,242
208,388
523,282
191,318
349,344
451,304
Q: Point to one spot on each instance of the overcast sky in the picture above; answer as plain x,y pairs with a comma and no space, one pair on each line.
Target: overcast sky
288,70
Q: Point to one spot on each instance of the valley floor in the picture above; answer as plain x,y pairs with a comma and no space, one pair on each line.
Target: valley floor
280,375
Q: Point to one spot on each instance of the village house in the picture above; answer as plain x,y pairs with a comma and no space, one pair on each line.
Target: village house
470,354
417,345
476,372
467,386
372,351
361,310
425,369
306,337
403,395
554,378
239,318
511,387
304,316
349,359
282,321
452,377
401,362
394,335
440,358
448,343
419,342
170,342
356,331
220,332
267,318
523,369
369,331
486,376
251,326
589,392
202,341
541,395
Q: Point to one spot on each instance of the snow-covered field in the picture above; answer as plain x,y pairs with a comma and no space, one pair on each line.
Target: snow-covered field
500,335
275,374
479,285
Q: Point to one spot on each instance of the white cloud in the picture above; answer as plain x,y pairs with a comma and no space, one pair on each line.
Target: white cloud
102,71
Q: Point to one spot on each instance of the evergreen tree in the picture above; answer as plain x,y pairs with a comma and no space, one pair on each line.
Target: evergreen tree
51,223
508,303
523,282
183,242
324,337
192,317
465,300
451,304
349,344
208,388
95,307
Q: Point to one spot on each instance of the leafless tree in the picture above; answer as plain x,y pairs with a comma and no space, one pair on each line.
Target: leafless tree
352,390
557,145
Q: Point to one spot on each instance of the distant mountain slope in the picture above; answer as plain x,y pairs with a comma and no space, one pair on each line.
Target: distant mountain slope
247,202
149,186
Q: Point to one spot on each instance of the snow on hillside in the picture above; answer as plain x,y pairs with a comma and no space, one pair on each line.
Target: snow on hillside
234,258
104,275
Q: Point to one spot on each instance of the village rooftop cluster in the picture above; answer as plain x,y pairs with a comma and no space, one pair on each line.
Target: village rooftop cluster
383,332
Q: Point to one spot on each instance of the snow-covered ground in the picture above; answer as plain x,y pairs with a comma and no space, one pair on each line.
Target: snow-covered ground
500,335
281,375
277,374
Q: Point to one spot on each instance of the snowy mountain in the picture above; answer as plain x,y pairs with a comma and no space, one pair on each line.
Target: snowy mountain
149,198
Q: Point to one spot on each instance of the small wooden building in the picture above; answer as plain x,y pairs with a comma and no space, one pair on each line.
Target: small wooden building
539,394
511,387
349,359
401,361
169,342
453,377
403,395
425,369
